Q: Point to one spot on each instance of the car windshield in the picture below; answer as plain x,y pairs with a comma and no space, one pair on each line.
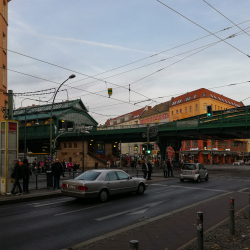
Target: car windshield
189,166
88,176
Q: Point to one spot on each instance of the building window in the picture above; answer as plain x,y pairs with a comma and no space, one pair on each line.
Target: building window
4,42
194,96
204,94
190,108
4,9
204,106
70,159
177,111
75,144
4,75
195,143
65,145
180,110
196,107
218,107
70,144
186,110
187,144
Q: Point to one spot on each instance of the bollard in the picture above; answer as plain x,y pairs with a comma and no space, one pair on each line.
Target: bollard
231,212
200,230
134,245
36,181
249,207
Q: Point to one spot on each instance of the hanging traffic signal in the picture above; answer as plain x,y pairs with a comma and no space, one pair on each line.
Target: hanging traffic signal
209,111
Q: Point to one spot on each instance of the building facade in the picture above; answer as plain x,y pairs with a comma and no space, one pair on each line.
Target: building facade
206,151
3,56
196,102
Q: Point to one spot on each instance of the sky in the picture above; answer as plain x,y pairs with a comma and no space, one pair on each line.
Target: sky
117,43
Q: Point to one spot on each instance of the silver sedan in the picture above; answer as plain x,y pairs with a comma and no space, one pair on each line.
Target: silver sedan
101,183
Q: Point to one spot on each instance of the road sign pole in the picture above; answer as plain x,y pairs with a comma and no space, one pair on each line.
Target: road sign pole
200,230
134,245
231,212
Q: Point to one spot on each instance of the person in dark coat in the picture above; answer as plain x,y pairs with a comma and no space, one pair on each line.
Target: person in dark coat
170,170
17,175
96,164
26,176
57,171
165,169
150,170
145,169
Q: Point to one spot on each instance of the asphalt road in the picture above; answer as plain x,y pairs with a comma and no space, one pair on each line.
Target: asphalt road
57,223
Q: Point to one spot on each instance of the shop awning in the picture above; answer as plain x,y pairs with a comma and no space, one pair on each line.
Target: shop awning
185,152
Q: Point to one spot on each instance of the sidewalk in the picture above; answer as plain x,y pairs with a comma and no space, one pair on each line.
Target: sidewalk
169,231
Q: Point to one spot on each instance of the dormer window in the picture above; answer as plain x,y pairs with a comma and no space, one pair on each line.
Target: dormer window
179,101
174,103
189,98
204,94
194,96
211,95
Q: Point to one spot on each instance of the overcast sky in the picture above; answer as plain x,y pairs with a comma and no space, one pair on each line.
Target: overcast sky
92,37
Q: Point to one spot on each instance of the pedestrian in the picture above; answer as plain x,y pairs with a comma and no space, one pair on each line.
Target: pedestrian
96,164
26,176
17,175
165,169
150,170
64,165
145,169
69,166
170,170
132,164
57,171
74,168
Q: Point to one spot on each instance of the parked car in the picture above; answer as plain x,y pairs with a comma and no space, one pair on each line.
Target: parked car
238,163
193,171
102,183
247,162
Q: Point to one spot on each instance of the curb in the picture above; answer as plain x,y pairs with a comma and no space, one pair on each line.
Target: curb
210,229
14,200
109,236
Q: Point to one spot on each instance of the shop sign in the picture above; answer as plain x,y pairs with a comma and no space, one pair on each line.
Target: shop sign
227,149
209,147
194,148
214,148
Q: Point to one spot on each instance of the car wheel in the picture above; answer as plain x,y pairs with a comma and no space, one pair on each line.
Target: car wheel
104,195
140,189
206,178
182,180
199,179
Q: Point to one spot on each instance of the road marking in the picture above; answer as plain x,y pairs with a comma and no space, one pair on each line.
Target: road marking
131,210
158,185
247,180
241,190
160,191
86,208
139,212
215,190
47,204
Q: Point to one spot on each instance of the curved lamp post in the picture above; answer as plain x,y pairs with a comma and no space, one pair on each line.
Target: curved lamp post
51,147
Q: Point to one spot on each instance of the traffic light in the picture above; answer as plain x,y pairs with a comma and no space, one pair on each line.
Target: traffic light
148,151
149,148
209,111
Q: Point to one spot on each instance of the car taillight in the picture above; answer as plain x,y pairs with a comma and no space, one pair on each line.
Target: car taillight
83,188
196,171
64,186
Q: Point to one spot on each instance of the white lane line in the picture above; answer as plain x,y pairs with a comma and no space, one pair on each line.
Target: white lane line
247,180
158,185
161,191
241,190
86,208
215,190
63,199
47,204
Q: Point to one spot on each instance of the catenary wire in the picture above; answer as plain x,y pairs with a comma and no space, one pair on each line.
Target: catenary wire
226,17
201,27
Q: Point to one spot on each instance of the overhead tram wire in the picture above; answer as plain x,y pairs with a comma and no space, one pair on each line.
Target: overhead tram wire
202,27
178,94
226,17
212,44
33,58
160,52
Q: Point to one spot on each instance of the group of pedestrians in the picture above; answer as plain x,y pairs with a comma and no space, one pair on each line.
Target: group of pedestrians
23,171
167,169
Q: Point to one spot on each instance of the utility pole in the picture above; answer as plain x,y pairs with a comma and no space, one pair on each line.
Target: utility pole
10,104
211,153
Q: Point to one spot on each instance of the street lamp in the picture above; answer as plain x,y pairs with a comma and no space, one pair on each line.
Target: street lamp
51,147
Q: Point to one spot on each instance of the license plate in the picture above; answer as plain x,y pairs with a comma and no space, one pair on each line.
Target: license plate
71,186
